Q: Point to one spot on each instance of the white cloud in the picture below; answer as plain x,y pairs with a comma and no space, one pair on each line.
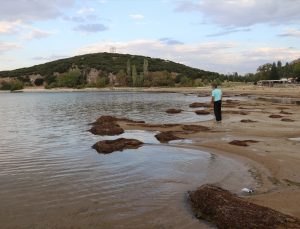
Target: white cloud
37,34
137,16
49,58
222,57
244,13
7,27
86,11
8,46
290,33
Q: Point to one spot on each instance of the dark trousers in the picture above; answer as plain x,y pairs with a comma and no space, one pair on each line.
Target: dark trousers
217,110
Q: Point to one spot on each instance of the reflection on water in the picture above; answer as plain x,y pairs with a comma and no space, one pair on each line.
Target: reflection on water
51,178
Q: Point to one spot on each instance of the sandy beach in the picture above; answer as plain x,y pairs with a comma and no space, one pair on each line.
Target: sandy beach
274,159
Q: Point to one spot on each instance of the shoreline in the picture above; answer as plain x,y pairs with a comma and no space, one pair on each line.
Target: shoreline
292,91
274,158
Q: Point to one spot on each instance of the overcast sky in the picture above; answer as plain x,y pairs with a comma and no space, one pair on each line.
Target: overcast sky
217,35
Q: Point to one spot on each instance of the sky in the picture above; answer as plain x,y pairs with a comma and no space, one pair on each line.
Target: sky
224,36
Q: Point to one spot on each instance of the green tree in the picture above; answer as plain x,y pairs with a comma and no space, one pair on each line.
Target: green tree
121,78
296,71
134,76
128,68
274,72
145,67
279,64
13,85
69,79
141,79
102,82
263,71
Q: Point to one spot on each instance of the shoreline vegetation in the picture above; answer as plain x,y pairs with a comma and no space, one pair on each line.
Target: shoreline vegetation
255,131
100,70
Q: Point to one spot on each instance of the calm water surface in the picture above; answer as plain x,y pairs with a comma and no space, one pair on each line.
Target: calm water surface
51,178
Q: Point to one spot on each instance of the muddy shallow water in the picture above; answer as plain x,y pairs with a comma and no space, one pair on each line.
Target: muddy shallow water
51,178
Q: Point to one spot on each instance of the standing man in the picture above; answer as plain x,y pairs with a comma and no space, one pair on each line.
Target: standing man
216,101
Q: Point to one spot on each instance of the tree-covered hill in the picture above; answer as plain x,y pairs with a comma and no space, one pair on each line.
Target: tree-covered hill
103,69
108,62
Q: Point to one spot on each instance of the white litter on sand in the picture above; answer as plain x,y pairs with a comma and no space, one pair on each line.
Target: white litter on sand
247,190
295,139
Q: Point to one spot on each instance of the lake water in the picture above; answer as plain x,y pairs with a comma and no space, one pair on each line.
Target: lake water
51,178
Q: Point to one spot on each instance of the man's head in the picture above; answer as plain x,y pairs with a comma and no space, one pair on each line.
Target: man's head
214,85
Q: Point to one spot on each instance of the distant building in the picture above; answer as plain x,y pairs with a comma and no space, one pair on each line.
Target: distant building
271,83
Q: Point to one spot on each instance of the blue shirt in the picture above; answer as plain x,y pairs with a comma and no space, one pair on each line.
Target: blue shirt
217,94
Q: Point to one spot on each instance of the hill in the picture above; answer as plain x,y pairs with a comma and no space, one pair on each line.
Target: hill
109,68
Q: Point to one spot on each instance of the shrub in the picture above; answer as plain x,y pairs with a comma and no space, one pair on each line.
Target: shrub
12,85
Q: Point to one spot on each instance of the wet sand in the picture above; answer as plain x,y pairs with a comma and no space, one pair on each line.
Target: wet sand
274,160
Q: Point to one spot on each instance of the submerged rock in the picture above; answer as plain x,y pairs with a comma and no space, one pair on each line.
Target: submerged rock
107,125
109,119
235,112
247,121
232,101
149,125
173,111
202,112
242,142
285,112
196,105
275,116
166,136
287,120
107,128
227,210
195,128
109,146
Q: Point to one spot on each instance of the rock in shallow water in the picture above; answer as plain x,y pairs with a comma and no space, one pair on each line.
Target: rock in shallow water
107,128
242,142
107,125
287,120
247,121
110,119
195,128
227,210
173,111
166,136
275,116
195,105
202,112
109,146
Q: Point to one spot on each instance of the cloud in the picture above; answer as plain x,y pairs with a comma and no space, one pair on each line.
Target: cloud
137,16
77,19
37,34
290,33
228,31
49,58
86,10
221,57
7,27
91,28
8,46
29,11
170,41
244,13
